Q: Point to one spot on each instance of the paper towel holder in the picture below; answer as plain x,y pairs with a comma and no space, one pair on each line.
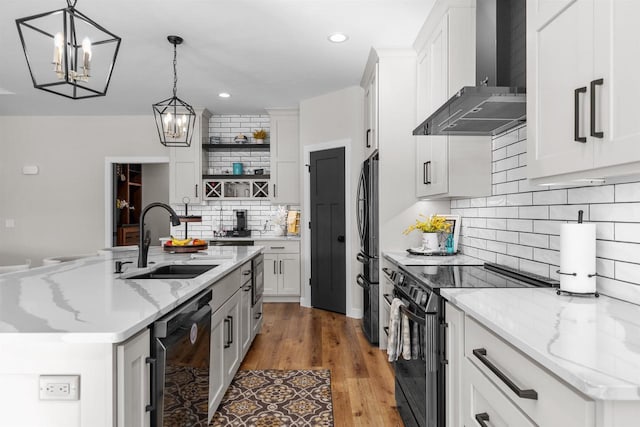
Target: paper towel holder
573,294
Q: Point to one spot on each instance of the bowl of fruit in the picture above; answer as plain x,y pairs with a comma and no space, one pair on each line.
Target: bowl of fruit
185,245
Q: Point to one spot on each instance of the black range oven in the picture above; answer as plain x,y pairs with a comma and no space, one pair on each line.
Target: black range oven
420,381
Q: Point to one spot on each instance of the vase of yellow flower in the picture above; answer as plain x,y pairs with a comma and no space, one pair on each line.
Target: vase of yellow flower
432,227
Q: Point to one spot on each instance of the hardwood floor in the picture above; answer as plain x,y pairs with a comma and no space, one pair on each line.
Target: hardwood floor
362,383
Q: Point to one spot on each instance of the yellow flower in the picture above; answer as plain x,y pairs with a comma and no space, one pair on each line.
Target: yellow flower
430,224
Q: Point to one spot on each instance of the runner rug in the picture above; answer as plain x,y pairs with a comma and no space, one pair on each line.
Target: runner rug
277,398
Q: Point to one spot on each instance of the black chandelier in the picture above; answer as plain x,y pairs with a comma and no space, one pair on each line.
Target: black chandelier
175,118
84,52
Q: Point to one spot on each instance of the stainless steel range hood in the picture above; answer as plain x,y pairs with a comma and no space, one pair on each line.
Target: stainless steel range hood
499,102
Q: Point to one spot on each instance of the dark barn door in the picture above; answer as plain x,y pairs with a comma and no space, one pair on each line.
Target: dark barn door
328,266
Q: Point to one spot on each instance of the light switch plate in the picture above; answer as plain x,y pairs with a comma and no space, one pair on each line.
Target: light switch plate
59,387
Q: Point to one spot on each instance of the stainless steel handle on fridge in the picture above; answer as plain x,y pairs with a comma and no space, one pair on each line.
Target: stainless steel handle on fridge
594,83
481,354
362,282
361,198
361,258
281,269
426,172
576,115
481,418
154,384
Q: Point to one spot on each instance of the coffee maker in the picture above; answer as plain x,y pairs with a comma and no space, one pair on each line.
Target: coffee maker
240,228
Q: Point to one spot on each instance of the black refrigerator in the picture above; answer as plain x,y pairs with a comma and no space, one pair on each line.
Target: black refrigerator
368,257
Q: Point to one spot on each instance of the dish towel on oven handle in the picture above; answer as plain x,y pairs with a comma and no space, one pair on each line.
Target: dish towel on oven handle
394,343
406,337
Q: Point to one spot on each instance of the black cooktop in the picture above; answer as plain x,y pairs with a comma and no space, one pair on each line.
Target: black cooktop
472,276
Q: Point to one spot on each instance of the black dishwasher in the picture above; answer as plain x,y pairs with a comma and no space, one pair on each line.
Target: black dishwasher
180,349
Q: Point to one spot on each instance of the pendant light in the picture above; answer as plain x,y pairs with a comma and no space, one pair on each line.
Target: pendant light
83,52
175,118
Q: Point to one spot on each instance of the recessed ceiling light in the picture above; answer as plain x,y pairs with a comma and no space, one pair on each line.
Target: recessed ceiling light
338,37
224,95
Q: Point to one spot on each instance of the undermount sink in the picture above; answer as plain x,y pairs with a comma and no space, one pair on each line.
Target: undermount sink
176,271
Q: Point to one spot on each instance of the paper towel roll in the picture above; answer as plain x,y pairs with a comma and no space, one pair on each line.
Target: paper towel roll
578,255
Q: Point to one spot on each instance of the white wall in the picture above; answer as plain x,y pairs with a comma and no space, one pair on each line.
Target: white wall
60,211
333,117
155,188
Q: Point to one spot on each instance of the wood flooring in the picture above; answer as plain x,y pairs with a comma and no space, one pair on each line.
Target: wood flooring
362,382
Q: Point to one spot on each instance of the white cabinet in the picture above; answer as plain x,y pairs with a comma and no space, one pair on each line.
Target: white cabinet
246,324
133,381
371,111
453,369
185,165
217,385
448,166
581,89
285,151
231,349
281,268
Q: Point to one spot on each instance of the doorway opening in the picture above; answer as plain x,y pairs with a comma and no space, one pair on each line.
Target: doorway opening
131,183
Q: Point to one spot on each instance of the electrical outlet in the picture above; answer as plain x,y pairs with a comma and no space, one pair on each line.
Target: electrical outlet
59,387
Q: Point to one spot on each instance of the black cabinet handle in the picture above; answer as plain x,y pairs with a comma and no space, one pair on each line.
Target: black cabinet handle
366,139
576,115
274,267
231,330
594,83
481,418
196,190
154,384
275,193
426,172
281,267
247,288
258,316
341,239
481,354
227,344
246,272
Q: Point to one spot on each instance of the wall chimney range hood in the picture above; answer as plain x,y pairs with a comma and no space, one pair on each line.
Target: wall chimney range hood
499,100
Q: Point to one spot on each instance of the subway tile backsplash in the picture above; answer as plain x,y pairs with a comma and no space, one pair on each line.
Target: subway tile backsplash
519,225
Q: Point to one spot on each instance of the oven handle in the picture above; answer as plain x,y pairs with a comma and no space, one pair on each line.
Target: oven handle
388,298
388,273
152,362
481,418
413,317
481,354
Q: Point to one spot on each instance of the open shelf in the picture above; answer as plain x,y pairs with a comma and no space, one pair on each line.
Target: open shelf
237,177
213,147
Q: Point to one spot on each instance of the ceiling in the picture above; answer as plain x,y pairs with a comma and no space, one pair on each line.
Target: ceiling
266,53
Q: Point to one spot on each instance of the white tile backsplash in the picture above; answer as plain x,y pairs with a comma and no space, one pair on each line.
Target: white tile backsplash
519,225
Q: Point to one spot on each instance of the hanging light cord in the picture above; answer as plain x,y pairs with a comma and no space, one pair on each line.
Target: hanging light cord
175,70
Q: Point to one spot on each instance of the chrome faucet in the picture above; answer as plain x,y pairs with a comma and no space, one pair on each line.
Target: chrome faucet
145,240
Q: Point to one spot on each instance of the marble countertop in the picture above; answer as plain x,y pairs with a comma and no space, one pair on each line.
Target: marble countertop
84,301
254,238
404,258
592,344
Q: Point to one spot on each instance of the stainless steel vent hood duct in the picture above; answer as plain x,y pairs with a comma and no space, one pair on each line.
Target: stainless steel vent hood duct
499,102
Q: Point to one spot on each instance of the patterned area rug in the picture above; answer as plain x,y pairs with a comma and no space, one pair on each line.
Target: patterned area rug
277,398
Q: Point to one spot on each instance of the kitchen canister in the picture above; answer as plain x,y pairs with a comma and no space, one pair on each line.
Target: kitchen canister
578,258
237,168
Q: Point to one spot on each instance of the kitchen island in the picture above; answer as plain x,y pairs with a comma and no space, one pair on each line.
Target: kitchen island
72,319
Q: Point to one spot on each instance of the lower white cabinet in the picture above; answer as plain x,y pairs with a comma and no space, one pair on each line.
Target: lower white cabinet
231,348
246,325
217,384
453,368
282,268
133,380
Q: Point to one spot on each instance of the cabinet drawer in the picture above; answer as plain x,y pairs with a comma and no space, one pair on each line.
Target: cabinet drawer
245,273
556,404
280,246
482,401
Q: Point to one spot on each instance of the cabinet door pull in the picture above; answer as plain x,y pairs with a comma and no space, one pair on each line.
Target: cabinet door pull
154,384
481,354
426,172
481,418
594,83
196,190
258,316
281,269
276,247
576,115
231,330
274,267
247,288
275,193
366,139
246,272
227,344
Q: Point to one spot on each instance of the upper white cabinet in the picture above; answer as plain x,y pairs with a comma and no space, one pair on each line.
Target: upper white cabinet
285,151
582,89
185,165
448,166
370,84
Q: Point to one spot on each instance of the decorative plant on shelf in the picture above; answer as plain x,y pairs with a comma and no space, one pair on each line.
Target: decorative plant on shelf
431,226
279,219
259,135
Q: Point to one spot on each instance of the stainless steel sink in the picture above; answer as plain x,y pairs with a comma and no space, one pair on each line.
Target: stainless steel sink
176,271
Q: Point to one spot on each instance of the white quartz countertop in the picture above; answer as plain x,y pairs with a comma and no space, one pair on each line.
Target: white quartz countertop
257,237
404,258
84,301
592,344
